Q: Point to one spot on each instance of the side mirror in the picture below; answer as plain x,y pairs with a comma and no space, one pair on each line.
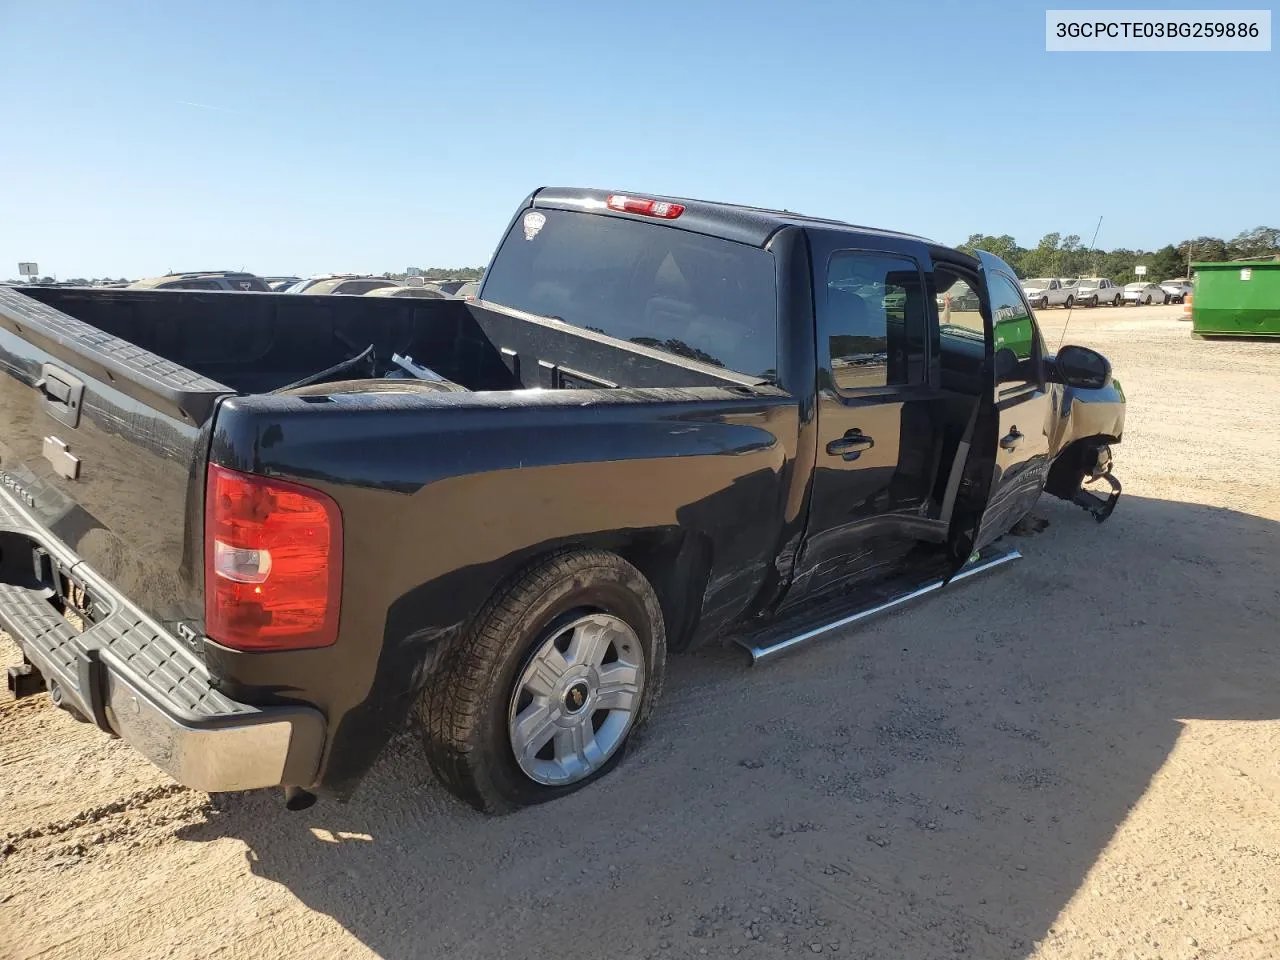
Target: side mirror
1083,368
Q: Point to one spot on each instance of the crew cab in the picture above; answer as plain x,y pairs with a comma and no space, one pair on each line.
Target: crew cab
1091,291
1047,292
255,534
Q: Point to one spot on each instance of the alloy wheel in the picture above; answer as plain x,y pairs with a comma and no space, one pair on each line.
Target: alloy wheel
576,699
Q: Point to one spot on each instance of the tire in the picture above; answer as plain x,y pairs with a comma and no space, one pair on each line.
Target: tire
469,706
1147,302
1069,302
1116,302
1093,301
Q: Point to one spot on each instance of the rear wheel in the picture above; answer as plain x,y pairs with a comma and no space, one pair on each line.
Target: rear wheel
1116,301
1070,302
1147,301
541,695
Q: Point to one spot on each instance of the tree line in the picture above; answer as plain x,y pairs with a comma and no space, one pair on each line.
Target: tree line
442,273
1059,256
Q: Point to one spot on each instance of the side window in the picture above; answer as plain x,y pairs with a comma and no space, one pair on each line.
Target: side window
874,320
1017,338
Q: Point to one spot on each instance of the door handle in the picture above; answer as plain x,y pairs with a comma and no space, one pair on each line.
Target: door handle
851,445
54,390
62,393
1011,440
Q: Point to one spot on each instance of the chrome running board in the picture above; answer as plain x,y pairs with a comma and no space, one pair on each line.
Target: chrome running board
763,650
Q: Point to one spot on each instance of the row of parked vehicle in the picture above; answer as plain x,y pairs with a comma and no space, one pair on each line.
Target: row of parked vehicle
336,284
1098,291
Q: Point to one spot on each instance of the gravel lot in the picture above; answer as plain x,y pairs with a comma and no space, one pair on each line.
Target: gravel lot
1071,758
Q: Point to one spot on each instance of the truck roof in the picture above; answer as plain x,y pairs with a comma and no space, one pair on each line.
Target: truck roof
751,225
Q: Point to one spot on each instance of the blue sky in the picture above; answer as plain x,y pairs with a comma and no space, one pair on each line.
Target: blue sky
300,137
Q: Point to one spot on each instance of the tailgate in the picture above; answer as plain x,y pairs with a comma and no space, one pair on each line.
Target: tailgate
105,444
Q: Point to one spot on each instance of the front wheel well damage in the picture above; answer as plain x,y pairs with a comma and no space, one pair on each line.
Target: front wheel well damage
1074,463
1085,461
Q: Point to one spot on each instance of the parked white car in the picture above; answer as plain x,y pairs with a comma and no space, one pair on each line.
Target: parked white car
1143,293
1091,291
1047,292
1177,289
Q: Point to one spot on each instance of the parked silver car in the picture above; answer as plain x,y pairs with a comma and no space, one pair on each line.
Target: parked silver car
422,293
203,280
1177,289
1091,291
339,284
1143,293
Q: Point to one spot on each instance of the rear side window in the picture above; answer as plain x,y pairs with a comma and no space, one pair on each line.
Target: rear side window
699,297
874,320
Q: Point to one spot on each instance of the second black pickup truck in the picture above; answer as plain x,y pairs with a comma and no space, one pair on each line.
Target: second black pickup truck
253,534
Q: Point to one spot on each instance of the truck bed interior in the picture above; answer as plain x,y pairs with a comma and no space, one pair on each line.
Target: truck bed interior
265,342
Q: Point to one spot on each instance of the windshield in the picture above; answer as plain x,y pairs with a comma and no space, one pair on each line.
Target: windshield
1037,282
704,298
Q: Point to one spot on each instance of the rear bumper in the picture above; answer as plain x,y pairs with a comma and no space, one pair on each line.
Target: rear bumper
137,681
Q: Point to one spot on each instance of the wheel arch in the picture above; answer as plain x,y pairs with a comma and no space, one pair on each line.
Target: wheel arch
675,560
1072,464
422,624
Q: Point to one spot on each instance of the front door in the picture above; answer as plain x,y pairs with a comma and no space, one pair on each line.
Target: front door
871,480
1009,460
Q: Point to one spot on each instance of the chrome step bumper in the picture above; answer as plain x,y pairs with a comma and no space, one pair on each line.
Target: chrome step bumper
137,681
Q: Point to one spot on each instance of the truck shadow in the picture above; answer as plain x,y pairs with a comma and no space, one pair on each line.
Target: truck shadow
937,783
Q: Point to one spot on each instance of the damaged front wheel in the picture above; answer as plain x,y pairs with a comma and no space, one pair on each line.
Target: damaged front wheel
1085,463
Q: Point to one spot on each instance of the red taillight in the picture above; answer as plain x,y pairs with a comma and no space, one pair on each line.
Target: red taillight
273,563
647,208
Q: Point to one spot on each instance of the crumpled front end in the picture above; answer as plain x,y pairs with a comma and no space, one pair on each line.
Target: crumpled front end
1090,422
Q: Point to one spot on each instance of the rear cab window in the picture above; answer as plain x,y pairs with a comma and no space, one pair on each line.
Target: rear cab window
700,297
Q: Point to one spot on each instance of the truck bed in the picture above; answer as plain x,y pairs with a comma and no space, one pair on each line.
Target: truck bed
108,402
262,342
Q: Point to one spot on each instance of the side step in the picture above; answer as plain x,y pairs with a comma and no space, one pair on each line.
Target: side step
763,647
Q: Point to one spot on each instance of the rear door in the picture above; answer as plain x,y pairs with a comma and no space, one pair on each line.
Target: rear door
1008,462
875,436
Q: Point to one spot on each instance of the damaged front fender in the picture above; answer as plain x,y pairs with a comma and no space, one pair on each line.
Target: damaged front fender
1089,422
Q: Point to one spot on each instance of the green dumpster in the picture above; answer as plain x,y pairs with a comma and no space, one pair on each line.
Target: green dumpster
1240,298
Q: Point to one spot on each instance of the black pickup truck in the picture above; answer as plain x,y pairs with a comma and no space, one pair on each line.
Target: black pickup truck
254,534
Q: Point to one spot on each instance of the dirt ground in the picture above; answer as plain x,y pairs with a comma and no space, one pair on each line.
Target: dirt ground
1074,757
